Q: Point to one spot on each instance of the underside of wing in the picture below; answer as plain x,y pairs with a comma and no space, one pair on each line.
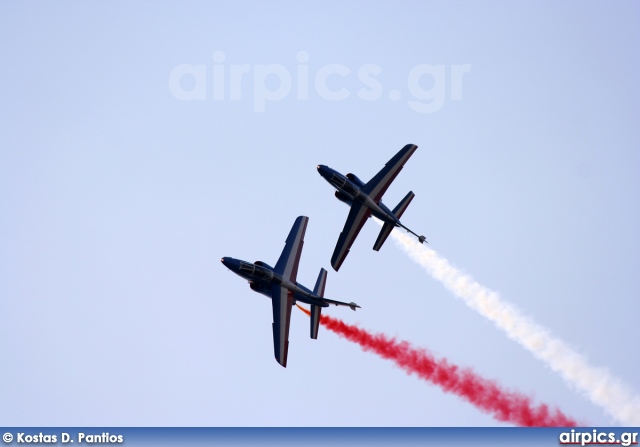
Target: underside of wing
287,264
358,215
377,186
281,302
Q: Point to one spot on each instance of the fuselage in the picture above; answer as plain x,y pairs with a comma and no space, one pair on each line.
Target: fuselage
349,189
262,278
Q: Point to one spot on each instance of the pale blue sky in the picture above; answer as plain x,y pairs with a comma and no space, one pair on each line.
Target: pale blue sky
118,200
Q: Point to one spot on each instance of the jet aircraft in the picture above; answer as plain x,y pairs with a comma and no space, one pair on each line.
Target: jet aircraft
365,200
279,283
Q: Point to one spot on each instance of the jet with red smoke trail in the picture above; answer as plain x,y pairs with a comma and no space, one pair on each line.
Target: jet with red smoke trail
365,199
279,283
484,394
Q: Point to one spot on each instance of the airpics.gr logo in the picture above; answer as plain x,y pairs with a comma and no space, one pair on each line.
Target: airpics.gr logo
577,437
275,82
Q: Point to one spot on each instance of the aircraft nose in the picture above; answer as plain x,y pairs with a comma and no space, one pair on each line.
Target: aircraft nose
322,170
231,263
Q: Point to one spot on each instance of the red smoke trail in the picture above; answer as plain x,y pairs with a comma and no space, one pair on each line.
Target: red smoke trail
485,394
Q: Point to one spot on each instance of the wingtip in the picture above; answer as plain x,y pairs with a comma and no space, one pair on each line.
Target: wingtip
283,364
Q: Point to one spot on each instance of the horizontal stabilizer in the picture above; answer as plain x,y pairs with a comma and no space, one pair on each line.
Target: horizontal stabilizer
398,211
315,320
404,203
318,290
384,234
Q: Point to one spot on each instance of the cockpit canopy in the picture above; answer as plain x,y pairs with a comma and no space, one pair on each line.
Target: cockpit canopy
338,180
256,271
342,183
247,267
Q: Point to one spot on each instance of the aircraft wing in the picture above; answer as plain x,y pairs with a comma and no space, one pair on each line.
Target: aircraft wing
287,264
281,302
377,186
358,215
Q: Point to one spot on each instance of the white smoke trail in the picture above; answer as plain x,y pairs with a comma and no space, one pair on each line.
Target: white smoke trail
599,386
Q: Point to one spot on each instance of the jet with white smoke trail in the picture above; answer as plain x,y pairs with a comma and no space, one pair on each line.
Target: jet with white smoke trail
597,383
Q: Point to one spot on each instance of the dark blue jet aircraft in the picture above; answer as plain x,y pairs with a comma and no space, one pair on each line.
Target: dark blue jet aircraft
279,284
365,200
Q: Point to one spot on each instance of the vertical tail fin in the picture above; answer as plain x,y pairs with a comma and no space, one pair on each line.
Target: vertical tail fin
387,227
316,310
